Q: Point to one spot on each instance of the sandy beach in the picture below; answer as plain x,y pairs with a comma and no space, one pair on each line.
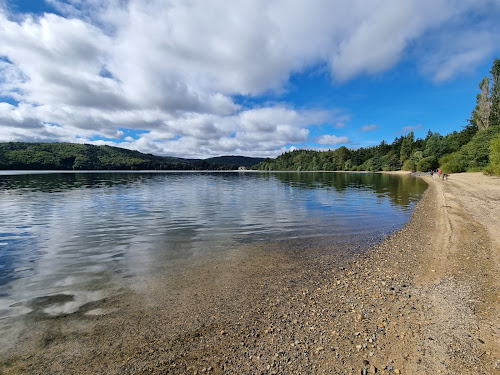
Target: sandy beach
425,301
439,281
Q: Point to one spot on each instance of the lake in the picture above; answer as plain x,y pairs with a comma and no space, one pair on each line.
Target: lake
70,239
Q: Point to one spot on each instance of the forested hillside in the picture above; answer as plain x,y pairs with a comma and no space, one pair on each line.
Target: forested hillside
71,156
238,161
476,147
21,155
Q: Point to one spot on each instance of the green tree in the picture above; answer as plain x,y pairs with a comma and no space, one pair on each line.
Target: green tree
482,112
348,165
436,145
494,167
454,141
427,164
417,156
390,162
407,146
472,156
341,155
495,94
409,165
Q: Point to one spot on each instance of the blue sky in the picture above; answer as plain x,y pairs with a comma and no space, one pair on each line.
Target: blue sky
246,77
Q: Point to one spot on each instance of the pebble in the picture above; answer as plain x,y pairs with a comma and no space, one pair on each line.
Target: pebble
368,308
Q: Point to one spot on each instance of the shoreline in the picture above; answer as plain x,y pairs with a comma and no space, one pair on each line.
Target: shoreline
439,282
423,301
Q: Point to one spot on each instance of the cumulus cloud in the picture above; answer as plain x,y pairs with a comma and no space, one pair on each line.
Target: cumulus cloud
410,128
385,30
174,67
332,140
461,55
368,128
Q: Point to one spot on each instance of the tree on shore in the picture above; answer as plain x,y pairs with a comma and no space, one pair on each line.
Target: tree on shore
482,112
495,94
407,147
470,149
494,167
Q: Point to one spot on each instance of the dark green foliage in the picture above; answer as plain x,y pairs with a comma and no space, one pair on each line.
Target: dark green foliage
373,164
70,156
454,141
404,153
473,156
407,146
476,152
436,145
234,161
453,163
341,159
390,162
427,164
494,167
495,94
409,165
64,156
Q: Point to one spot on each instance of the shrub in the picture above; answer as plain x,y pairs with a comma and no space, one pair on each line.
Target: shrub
409,165
453,163
494,167
474,156
476,153
427,164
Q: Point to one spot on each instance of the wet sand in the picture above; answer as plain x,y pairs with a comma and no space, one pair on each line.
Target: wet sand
425,301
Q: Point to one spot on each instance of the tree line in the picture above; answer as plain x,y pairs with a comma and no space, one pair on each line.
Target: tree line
475,148
72,156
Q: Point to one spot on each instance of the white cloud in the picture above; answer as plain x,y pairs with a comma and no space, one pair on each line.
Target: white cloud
368,128
332,140
383,31
173,67
461,55
410,128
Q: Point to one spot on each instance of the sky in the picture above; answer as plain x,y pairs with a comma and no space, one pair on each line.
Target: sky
204,78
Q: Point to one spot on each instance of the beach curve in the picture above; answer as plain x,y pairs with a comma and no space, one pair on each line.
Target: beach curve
425,301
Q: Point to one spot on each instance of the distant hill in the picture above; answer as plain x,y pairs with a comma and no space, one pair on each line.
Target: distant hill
238,161
72,156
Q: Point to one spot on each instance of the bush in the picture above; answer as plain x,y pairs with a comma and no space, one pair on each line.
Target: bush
427,164
494,167
453,163
474,156
476,153
409,165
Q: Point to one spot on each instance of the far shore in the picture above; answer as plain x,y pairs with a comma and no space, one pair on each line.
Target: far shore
42,171
424,301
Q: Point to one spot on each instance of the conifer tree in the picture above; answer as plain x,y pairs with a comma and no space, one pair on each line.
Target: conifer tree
407,146
484,105
495,94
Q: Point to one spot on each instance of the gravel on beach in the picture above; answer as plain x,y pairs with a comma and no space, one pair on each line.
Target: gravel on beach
425,301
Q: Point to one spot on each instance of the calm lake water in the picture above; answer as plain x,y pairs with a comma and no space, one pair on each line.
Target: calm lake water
86,234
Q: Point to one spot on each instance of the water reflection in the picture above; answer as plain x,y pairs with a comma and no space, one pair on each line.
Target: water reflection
76,237
403,191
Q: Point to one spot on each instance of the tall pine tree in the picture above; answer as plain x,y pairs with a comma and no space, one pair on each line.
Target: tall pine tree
495,94
484,105
407,146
